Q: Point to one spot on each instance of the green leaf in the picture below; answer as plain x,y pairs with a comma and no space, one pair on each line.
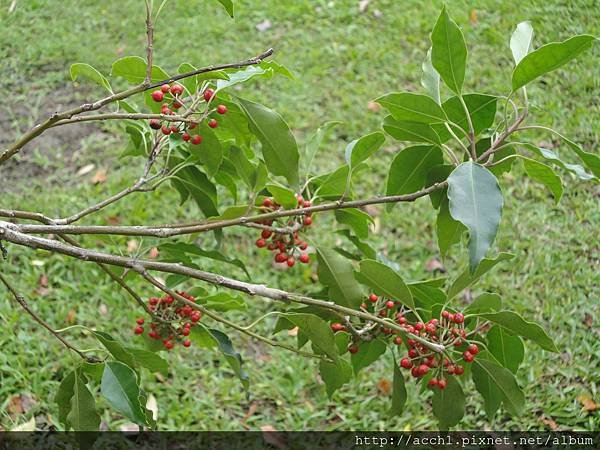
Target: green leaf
430,79
335,375
317,331
449,51
63,398
313,144
549,57
449,231
501,378
133,69
337,274
120,389
233,212
506,348
403,130
449,404
486,386
438,174
114,347
482,109
279,147
551,156
334,183
282,195
545,175
87,71
410,167
368,353
201,189
514,323
202,338
181,252
356,219
149,360
399,394
384,281
427,294
362,149
591,160
225,302
234,359
363,247
467,278
486,302
476,201
412,107
83,415
93,370
210,152
521,41
228,5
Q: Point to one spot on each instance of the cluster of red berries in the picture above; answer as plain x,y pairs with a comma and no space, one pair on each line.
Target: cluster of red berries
286,245
175,320
172,96
448,331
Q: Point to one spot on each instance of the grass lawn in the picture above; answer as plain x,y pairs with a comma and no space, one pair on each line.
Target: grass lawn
342,58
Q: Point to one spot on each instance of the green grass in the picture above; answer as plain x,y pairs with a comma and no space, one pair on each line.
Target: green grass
341,59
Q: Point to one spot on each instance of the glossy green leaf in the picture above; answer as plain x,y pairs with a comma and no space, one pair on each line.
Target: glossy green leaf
486,386
89,72
514,323
384,281
410,168
550,155
282,195
93,370
545,175
363,247
314,143
333,184
467,278
502,379
426,294
233,358
399,394
476,201
482,109
82,415
486,302
438,174
356,219
337,274
361,149
200,188
449,404
403,130
549,57
449,51
368,352
133,69
430,79
317,331
149,360
591,160
120,388
412,107
279,147
233,212
114,347
224,302
228,5
506,348
63,398
335,375
521,41
448,230
210,152
202,338
181,252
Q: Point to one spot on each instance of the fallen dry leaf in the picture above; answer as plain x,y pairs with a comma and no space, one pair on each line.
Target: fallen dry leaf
103,309
132,245
588,319
435,264
100,176
551,423
373,106
71,316
587,403
264,25
251,410
385,386
363,5
293,332
85,170
473,17
271,436
154,253
42,285
152,405
113,220
377,14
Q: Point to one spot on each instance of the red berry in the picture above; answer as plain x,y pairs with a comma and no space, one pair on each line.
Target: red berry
165,88
406,363
196,139
221,109
433,382
306,203
186,137
138,330
291,261
390,304
459,370
423,369
415,372
260,243
153,334
468,356
303,246
140,321
304,258
208,94
187,343
281,257
168,344
308,221
398,340
419,326
153,301
176,89
445,314
177,104
166,130
185,331
174,129
157,96
451,369
373,298
336,326
473,349
155,124
267,202
353,348
213,123
442,384
413,353
430,328
458,318
266,234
